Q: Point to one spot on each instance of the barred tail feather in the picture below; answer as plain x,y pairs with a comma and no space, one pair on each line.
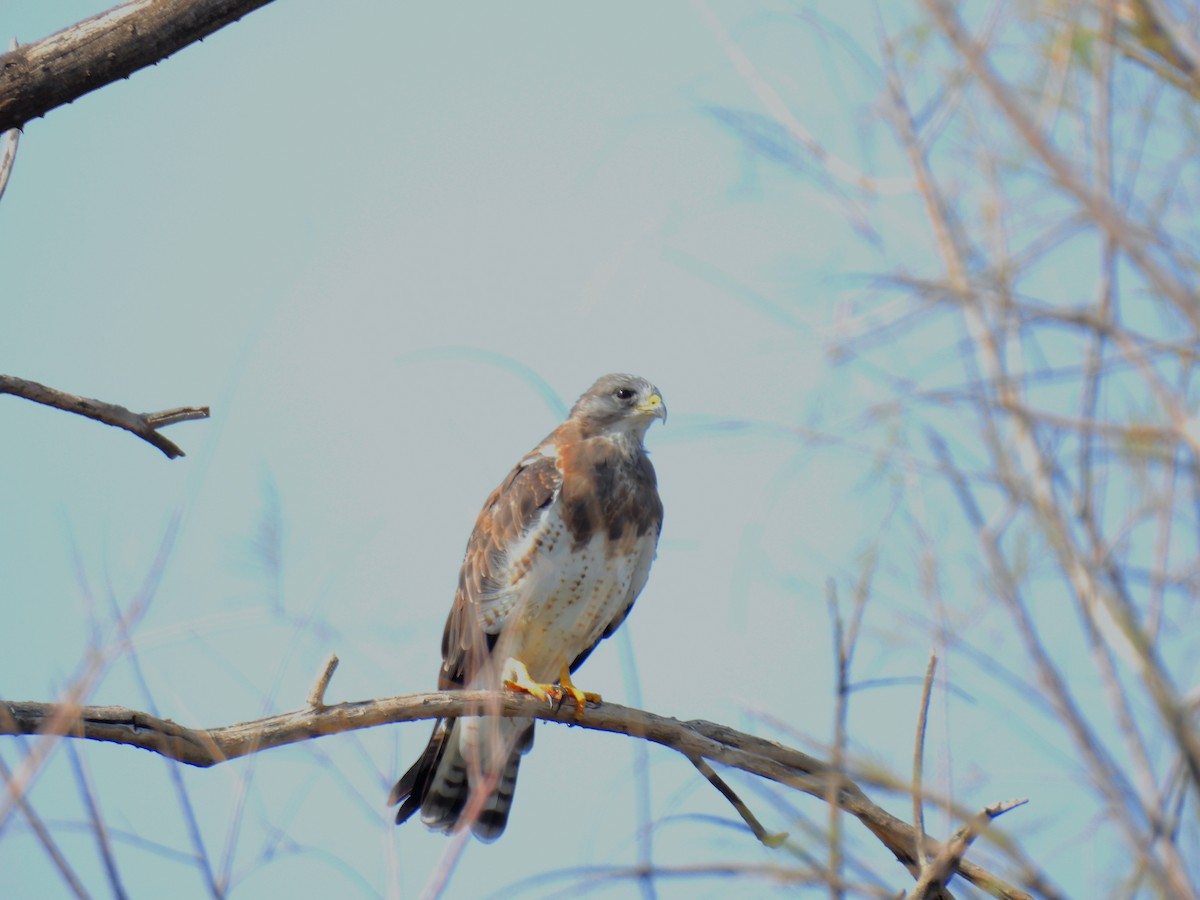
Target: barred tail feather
492,819
439,783
413,785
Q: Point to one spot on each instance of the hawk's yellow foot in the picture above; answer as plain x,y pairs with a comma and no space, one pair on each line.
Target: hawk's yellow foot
581,698
517,678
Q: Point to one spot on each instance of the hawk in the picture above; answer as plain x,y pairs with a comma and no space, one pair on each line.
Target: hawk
559,553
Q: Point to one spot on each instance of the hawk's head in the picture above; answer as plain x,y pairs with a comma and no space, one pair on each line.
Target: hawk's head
619,406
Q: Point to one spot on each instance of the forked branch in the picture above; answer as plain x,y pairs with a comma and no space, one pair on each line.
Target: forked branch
938,871
144,425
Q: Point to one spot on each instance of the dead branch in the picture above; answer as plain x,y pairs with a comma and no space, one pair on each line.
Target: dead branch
35,78
316,697
919,761
1131,237
941,868
42,833
696,739
771,840
144,425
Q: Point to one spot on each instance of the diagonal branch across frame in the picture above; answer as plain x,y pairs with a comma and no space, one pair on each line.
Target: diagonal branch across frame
40,76
696,739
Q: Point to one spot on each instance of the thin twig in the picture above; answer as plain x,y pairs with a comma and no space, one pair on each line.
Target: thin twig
99,828
43,835
1161,34
838,751
144,425
837,170
200,857
1110,777
1032,470
938,873
1132,237
919,761
771,839
316,697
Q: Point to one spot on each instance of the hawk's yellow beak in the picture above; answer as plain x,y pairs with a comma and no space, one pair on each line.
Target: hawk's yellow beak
653,406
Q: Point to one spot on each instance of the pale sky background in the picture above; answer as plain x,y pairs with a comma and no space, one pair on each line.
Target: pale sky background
389,244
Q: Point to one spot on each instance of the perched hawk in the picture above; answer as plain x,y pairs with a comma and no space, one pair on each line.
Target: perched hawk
558,555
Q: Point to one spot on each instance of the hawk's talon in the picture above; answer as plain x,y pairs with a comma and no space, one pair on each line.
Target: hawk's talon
517,678
581,698
547,693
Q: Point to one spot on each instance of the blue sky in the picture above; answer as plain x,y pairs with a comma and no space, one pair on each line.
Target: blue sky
388,244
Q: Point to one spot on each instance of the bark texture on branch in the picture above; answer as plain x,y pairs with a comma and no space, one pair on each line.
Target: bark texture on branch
35,78
144,425
205,747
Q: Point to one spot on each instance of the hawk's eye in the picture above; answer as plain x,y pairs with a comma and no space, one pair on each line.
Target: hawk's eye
624,393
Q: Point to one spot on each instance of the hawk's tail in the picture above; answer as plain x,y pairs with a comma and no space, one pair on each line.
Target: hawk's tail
439,783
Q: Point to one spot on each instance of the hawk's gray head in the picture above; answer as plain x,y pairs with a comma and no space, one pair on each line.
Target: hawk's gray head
619,406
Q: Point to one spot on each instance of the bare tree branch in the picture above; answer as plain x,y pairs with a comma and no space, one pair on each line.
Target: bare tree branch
1156,29
144,425
941,869
919,760
45,839
696,739
36,78
100,830
751,820
316,697
1132,238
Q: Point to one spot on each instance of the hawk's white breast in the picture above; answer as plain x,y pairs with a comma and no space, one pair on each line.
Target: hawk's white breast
556,600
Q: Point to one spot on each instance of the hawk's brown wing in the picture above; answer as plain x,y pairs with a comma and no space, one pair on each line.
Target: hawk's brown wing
489,571
474,624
